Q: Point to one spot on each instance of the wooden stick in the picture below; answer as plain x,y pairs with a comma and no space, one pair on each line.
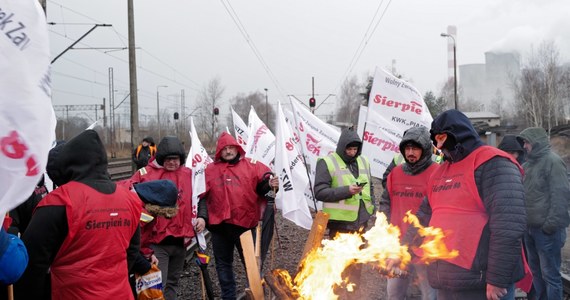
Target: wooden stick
11,292
316,234
258,244
252,270
280,284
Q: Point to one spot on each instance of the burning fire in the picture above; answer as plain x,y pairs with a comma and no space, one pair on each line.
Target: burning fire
432,246
322,268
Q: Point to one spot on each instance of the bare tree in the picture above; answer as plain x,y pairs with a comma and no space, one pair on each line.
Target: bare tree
209,101
350,100
435,105
242,104
540,90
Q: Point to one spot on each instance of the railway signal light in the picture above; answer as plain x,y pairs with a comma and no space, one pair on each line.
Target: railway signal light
312,102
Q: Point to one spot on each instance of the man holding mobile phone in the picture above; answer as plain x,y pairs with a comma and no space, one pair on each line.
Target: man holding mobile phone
342,183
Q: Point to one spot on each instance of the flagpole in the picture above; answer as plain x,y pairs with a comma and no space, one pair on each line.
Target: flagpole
303,157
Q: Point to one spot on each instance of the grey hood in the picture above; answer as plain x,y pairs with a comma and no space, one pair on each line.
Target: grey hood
420,136
348,136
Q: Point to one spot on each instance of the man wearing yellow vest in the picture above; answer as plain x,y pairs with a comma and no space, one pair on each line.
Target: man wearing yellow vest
343,183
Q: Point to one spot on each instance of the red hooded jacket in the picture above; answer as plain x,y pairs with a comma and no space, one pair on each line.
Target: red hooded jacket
231,189
181,224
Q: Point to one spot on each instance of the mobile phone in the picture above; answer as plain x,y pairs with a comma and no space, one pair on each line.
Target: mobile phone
361,183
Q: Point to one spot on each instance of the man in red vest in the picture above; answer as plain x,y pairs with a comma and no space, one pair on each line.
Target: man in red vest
84,231
405,189
477,198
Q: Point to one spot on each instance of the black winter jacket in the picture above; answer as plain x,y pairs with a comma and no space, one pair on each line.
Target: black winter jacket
498,260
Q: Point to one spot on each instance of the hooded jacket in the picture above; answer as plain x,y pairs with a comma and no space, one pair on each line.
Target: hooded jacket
419,136
82,228
141,155
179,226
547,191
323,179
510,143
497,259
234,188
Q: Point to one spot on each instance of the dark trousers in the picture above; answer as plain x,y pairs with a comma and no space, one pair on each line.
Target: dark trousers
224,238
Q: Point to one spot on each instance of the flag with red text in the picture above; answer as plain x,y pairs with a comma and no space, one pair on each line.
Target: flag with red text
260,144
394,106
240,129
27,119
197,161
293,180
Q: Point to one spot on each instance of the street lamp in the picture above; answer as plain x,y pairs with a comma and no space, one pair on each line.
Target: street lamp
158,107
266,109
454,67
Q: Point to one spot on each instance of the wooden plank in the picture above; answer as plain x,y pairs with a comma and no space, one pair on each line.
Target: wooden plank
316,234
251,267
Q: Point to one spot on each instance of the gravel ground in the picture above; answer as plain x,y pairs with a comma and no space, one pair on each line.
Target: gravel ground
286,256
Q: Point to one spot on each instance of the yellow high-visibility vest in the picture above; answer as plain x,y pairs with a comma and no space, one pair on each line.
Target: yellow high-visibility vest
347,209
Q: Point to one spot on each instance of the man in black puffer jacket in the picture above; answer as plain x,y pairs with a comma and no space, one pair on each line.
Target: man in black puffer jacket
476,196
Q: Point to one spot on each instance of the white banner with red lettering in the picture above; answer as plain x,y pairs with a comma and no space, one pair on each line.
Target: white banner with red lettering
293,180
240,129
260,144
197,161
27,119
317,137
394,106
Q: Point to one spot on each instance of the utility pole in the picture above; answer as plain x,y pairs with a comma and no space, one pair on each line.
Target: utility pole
133,78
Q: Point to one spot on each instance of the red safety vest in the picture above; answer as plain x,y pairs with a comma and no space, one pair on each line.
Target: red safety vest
92,261
456,205
406,193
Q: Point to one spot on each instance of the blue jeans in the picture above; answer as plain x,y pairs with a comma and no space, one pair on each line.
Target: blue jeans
544,258
397,288
224,238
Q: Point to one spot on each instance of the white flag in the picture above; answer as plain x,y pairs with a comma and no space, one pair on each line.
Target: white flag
394,106
240,129
293,179
318,138
260,144
27,120
197,161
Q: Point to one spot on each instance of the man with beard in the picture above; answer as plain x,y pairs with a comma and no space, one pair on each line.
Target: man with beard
477,198
405,189
234,185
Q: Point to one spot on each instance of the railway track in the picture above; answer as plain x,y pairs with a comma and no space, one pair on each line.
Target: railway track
120,169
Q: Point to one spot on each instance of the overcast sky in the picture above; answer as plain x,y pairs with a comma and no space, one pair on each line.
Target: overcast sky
184,44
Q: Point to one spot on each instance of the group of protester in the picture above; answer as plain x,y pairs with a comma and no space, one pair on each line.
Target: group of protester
89,236
86,238
499,214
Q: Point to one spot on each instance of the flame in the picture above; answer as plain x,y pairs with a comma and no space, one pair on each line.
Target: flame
432,247
321,270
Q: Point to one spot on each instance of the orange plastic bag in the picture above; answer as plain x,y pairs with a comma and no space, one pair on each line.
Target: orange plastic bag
149,285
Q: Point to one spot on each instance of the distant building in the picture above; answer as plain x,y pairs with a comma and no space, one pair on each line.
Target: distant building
486,83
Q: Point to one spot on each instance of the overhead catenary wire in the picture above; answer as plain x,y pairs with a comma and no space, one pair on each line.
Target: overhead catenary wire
364,42
250,42
122,38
